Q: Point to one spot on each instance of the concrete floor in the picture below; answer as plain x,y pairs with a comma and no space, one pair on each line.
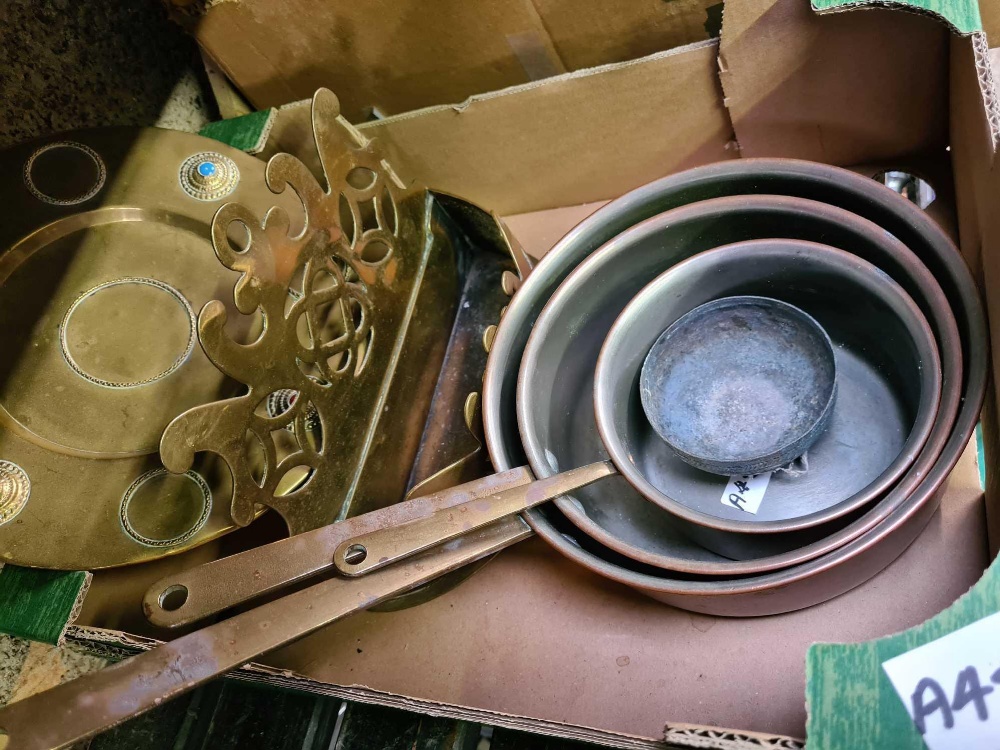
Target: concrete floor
67,65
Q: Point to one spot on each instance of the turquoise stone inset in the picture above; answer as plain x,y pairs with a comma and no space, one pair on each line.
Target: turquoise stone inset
209,176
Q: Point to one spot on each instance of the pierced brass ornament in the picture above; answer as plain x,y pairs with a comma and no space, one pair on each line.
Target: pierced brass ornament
339,301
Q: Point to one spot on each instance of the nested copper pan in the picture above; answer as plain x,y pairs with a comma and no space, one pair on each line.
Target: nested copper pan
573,341
849,565
886,367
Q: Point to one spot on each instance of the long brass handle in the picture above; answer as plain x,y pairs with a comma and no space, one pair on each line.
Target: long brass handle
205,590
459,534
376,549
101,700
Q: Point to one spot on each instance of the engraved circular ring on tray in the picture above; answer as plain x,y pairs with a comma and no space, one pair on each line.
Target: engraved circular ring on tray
64,173
127,333
99,352
160,509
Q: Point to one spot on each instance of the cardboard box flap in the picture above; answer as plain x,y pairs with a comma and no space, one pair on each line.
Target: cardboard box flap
977,185
842,676
961,15
790,79
389,56
790,76
576,138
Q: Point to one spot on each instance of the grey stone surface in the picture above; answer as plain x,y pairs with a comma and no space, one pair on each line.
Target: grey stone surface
67,65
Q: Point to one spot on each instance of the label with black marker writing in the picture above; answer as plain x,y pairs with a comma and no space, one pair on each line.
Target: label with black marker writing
951,686
746,492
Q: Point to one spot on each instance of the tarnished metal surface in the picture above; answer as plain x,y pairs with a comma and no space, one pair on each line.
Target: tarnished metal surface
889,381
104,262
221,584
617,514
109,697
454,429
109,262
892,523
739,385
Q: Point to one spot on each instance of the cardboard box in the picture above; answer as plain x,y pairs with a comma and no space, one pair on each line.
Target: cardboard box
533,641
384,57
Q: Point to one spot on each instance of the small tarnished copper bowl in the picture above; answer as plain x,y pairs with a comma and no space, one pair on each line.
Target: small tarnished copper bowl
739,385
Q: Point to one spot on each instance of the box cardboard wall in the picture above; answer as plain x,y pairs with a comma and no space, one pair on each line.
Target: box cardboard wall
392,56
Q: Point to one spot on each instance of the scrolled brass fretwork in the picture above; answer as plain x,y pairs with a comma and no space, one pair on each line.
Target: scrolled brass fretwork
337,299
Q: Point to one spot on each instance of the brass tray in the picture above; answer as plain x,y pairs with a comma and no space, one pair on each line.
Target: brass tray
105,262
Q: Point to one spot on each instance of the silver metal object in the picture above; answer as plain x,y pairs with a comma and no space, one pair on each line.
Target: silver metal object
884,531
616,514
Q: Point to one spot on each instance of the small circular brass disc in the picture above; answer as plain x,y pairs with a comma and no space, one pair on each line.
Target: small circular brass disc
161,509
106,261
15,488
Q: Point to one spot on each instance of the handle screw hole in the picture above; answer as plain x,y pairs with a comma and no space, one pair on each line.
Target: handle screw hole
173,597
356,554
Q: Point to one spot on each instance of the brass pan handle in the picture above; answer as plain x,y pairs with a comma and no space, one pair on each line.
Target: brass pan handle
101,700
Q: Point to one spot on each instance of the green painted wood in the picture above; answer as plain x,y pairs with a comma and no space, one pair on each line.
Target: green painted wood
850,700
37,604
247,133
962,15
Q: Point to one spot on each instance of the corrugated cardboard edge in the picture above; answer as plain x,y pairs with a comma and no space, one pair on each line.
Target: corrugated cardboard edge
974,143
693,735
115,646
987,84
961,18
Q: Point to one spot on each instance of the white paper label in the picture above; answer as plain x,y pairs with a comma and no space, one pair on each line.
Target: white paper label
951,686
746,493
